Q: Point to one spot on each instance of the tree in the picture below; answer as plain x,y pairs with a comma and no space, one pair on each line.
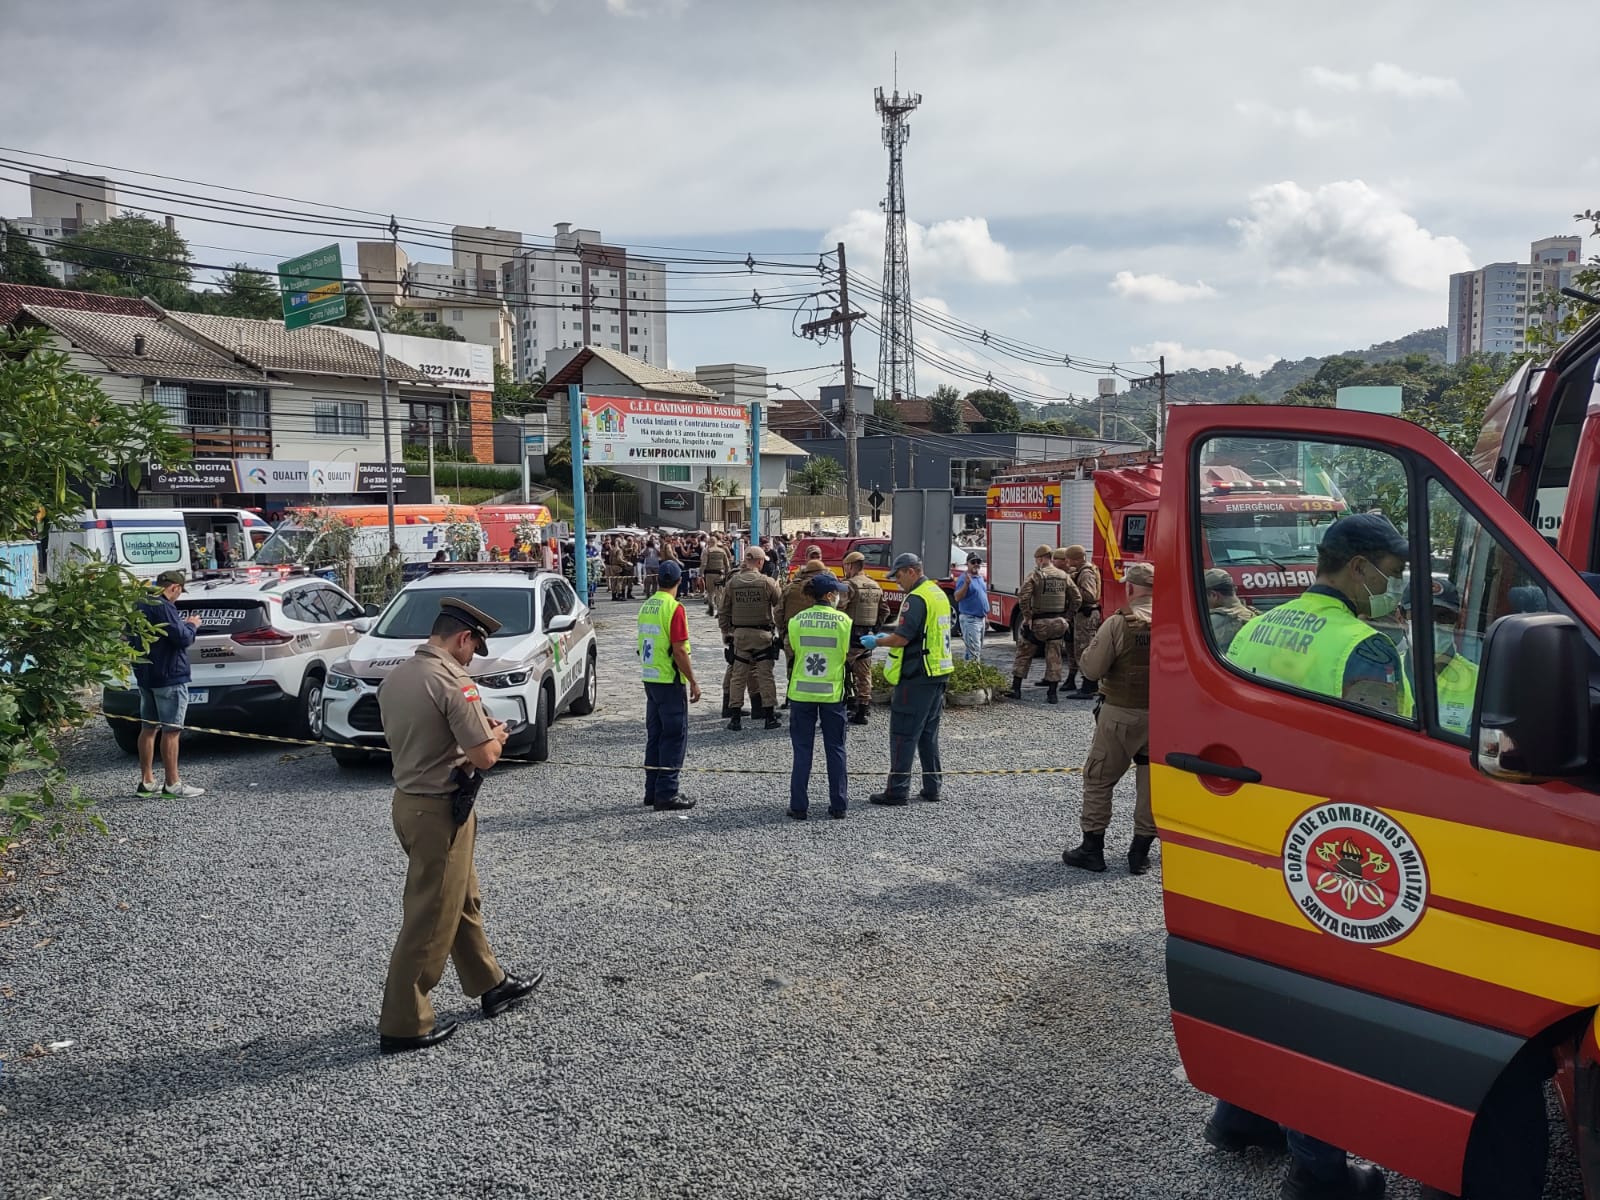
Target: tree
998,408
20,262
820,476
71,635
243,291
944,410
514,398
1455,416
401,320
131,255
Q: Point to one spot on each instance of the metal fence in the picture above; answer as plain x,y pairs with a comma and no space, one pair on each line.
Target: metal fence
605,510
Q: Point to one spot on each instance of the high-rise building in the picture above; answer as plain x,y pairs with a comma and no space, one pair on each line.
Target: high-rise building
61,205
579,291
1492,308
463,293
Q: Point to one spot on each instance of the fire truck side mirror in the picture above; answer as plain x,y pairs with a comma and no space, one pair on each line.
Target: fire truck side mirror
1532,716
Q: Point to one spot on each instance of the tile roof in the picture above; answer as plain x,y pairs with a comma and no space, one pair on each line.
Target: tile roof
314,350
109,337
13,296
920,412
773,442
638,372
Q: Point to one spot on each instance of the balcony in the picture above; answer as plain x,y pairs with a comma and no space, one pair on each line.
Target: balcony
228,443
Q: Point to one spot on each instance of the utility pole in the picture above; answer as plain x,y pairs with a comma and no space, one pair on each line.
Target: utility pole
843,320
1161,404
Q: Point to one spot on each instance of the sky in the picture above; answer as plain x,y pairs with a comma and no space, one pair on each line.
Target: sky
1221,183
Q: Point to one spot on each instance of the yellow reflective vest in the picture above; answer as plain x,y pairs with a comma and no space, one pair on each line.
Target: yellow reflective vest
935,649
655,639
820,639
1457,686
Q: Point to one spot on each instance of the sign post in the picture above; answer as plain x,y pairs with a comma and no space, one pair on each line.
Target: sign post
755,473
580,533
312,288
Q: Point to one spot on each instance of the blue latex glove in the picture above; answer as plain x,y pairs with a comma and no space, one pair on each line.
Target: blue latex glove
869,641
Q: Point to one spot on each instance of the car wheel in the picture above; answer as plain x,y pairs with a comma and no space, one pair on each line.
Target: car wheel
308,718
583,705
350,758
539,742
126,734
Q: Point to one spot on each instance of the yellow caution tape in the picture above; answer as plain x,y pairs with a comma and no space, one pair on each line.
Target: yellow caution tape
588,766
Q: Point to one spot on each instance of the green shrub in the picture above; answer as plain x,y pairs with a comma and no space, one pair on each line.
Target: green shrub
967,677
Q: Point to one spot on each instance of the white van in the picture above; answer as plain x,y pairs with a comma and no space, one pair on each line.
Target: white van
148,541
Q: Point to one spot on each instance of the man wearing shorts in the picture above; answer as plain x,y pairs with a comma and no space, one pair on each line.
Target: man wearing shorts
163,678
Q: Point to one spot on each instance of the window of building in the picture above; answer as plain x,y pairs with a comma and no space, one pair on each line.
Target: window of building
430,317
634,329
455,314
674,474
616,329
594,329
347,418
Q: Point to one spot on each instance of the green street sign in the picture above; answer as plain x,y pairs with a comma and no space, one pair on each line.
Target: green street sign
312,288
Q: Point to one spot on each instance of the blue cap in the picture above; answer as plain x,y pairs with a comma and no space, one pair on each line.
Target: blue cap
669,573
905,562
1367,534
822,583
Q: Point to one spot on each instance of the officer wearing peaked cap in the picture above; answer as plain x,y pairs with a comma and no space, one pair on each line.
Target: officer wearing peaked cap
1045,602
868,608
440,739
1228,612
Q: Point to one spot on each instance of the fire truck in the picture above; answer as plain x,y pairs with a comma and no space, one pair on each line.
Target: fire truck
1383,925
1263,530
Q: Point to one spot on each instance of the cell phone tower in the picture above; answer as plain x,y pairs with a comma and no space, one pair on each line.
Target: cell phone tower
897,361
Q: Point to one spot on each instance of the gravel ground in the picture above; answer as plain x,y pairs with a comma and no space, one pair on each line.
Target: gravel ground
917,1002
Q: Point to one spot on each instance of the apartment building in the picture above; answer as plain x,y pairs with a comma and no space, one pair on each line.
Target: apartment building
62,204
580,291
463,293
1492,308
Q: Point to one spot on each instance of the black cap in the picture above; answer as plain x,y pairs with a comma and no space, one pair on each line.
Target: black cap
906,561
974,559
1367,534
479,622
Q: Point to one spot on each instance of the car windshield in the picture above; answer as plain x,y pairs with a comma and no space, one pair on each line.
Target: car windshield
286,545
1264,537
411,614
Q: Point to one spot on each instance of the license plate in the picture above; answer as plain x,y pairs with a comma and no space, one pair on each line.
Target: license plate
199,695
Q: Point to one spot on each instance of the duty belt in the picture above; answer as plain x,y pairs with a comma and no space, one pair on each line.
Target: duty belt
1086,609
767,626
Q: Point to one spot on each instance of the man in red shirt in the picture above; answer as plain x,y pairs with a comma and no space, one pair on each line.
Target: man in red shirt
663,649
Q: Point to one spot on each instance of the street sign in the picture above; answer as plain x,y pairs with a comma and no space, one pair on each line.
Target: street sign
876,500
312,288
533,443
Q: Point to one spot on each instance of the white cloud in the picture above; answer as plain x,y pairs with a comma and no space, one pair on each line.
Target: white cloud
1387,79
1343,231
957,250
1295,120
1158,289
1182,358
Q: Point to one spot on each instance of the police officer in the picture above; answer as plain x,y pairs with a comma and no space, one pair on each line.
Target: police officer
1228,612
919,666
435,724
1046,599
1085,577
821,637
714,565
663,649
1319,641
747,621
868,608
795,599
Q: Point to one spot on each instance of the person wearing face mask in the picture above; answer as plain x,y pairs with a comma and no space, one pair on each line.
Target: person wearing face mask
1455,678
1321,640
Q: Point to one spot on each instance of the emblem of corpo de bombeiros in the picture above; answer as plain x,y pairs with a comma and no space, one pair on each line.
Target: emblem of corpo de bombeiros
1355,872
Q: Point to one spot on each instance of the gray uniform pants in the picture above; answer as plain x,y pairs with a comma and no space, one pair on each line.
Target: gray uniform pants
915,708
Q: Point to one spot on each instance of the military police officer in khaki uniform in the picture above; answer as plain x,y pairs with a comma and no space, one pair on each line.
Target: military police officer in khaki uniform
1228,612
434,722
1046,600
868,608
714,566
747,624
1085,577
1119,656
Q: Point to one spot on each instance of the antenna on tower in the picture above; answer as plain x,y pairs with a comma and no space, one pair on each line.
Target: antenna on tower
897,368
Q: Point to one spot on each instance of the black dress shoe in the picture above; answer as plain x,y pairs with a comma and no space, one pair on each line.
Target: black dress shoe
795,814
885,798
676,804
649,802
931,797
1357,1182
399,1045
508,992
836,815
1268,1137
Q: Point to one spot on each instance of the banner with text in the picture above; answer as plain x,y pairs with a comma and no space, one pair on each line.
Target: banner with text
632,430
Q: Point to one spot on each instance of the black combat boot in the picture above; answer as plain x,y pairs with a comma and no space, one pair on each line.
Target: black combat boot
1016,687
1139,854
1091,856
1087,690
738,721
1070,682
1041,683
1050,696
859,717
773,721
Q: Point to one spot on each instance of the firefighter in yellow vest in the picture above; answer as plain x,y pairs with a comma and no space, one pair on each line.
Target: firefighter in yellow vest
1228,613
1455,679
714,566
747,619
1319,641
868,609
1119,657
665,666
1047,599
919,667
821,638
795,600
1085,576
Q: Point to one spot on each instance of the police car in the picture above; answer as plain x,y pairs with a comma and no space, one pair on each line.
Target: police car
541,662
263,648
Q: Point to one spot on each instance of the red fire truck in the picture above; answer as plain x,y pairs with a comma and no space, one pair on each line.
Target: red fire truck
1265,529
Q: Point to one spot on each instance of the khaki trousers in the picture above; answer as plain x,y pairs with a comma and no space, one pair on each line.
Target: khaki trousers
1050,631
1121,740
714,582
1083,627
859,662
758,675
443,915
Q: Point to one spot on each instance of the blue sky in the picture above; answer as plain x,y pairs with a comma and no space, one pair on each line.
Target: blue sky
1220,182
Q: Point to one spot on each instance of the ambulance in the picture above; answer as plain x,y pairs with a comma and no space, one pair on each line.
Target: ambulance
1267,523
1383,927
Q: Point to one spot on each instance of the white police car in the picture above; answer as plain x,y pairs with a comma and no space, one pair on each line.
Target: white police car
541,662
263,648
